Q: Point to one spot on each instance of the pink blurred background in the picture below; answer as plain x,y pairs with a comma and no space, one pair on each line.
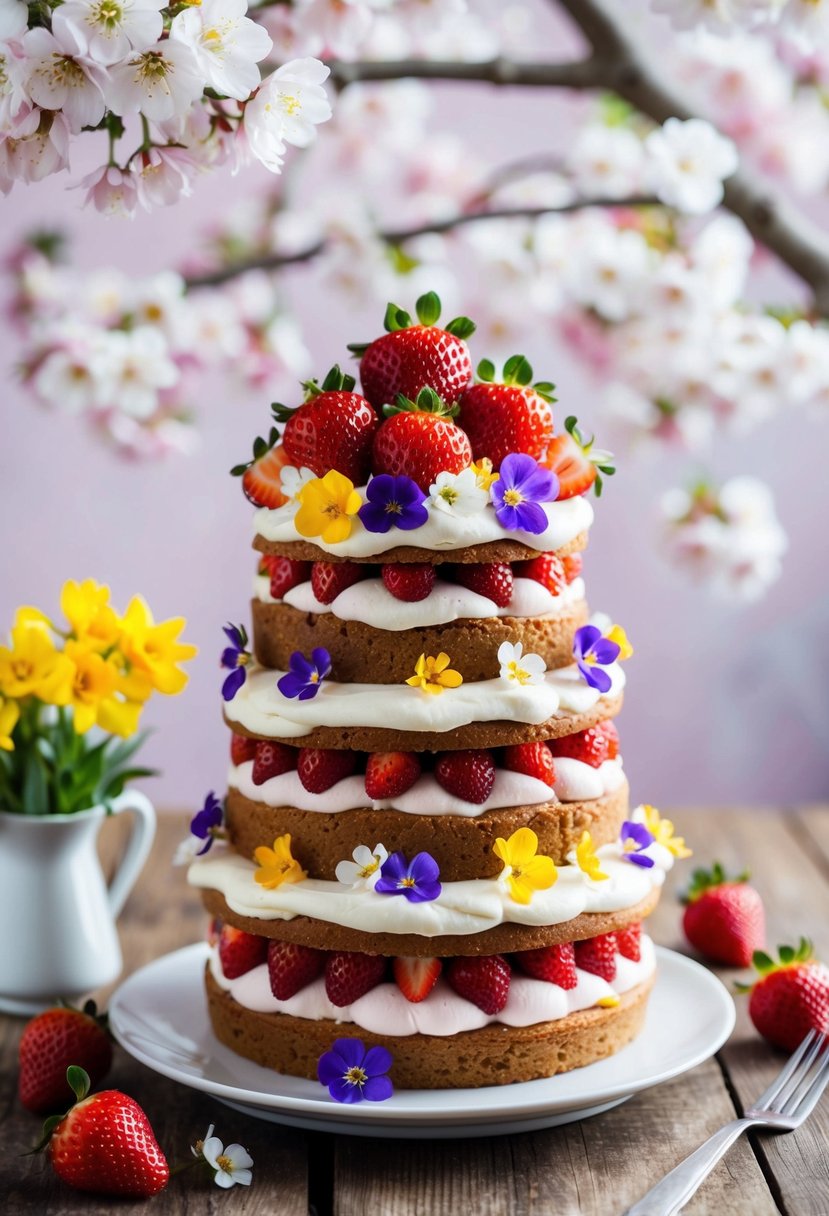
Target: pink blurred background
724,704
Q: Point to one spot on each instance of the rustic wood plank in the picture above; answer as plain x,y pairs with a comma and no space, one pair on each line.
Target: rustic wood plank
811,824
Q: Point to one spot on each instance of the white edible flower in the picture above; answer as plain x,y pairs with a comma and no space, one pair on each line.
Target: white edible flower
107,30
186,851
458,493
362,873
161,83
291,480
58,77
286,110
226,43
688,161
520,668
231,1164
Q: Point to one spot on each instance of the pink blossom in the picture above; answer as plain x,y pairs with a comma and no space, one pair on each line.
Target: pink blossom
111,190
163,175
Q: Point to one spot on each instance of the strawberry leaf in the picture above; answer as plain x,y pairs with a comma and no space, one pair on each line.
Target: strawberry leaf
336,381
486,371
517,370
262,446
461,327
395,319
358,348
428,308
79,1081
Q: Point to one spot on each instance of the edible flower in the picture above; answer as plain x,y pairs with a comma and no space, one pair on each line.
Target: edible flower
393,502
417,880
484,474
635,837
230,1166
206,826
327,506
353,1073
594,650
586,859
277,865
525,870
9,714
305,676
32,666
520,668
95,681
362,873
662,830
292,479
154,649
236,658
459,493
517,495
432,675
617,634
92,620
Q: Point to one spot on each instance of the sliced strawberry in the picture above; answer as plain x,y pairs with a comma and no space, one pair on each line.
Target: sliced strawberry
572,564
240,952
419,440
598,955
349,975
328,579
292,967
261,476
611,736
576,463
555,964
241,748
629,941
469,775
285,573
271,760
590,746
511,416
493,580
410,582
484,981
333,429
416,977
546,569
534,759
321,767
389,774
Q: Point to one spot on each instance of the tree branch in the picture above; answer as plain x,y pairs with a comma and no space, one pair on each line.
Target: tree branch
578,74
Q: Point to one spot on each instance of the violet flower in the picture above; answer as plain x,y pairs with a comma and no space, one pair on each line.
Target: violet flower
305,676
207,822
522,485
417,879
593,651
635,837
352,1073
236,657
393,502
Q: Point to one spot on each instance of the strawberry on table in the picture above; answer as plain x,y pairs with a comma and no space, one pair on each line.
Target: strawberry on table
724,918
410,357
240,952
419,439
591,746
50,1043
261,476
791,997
321,767
389,774
493,580
555,964
468,774
350,975
484,981
329,579
416,977
597,955
332,429
508,415
547,569
532,759
409,582
241,748
292,967
285,573
576,463
271,760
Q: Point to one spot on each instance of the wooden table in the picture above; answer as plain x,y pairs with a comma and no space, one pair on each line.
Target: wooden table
593,1168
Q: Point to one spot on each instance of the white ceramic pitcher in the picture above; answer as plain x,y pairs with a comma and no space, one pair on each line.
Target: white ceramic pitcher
58,916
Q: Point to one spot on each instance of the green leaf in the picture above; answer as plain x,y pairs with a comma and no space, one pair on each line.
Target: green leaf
545,389
35,793
517,370
79,1081
358,348
395,319
461,327
486,371
401,261
762,961
428,308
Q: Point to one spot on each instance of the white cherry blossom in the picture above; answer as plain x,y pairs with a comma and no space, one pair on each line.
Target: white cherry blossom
107,30
688,161
58,77
286,110
163,175
111,190
607,162
14,19
161,83
141,365
226,43
39,148
364,870
611,273
339,26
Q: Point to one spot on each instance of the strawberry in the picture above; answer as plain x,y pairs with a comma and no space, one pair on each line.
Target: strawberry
534,759
555,964
50,1043
575,462
292,967
261,476
724,918
629,941
419,439
416,977
332,429
491,579
590,746
321,767
409,357
598,955
469,775
285,573
391,773
328,579
410,582
546,569
271,760
572,564
241,748
349,975
510,415
791,997
484,981
611,736
240,952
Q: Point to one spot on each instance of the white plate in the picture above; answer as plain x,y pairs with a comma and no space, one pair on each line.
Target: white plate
159,1015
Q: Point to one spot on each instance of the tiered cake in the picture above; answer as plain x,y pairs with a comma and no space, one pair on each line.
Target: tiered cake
429,846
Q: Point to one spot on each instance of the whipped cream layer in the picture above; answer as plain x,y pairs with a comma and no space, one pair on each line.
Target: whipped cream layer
386,1011
466,907
261,708
577,781
371,603
442,531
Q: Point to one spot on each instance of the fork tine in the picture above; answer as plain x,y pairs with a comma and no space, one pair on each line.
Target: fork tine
763,1102
812,1096
795,1104
790,1095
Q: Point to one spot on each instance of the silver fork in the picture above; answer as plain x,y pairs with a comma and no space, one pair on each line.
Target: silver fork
789,1100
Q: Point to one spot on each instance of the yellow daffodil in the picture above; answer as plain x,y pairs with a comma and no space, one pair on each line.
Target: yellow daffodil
32,666
327,506
617,634
484,475
432,675
663,831
91,618
92,696
277,865
154,650
525,870
9,713
586,858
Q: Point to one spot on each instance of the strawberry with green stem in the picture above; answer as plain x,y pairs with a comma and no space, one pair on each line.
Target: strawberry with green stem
51,1042
332,429
419,439
724,918
507,415
577,464
791,996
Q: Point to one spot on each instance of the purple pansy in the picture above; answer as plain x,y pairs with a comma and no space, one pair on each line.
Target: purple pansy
236,657
305,676
522,485
207,822
393,502
592,651
635,837
416,879
353,1073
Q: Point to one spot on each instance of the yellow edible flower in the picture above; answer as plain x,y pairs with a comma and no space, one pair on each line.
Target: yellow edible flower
525,871
91,619
32,666
9,713
327,506
587,860
432,675
608,1002
617,634
277,865
95,682
663,830
484,475
154,651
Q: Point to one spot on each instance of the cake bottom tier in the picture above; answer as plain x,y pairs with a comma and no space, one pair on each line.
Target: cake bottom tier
492,1055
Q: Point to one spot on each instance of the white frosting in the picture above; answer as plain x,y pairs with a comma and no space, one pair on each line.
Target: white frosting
385,1009
580,782
441,532
371,603
461,908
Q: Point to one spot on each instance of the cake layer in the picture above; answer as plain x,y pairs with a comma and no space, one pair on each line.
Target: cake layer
358,650
461,845
505,550
492,1055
